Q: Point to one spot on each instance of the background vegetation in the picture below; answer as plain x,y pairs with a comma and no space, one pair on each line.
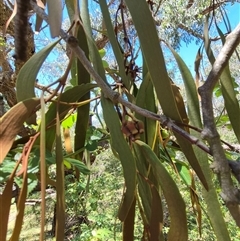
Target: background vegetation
106,134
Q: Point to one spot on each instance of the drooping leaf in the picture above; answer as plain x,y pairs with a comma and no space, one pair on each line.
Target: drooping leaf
156,223
11,123
157,68
143,186
28,74
227,87
60,204
145,99
153,55
211,198
70,9
82,77
196,204
120,146
54,16
21,202
115,45
128,224
229,95
176,206
184,173
191,91
5,201
39,20
43,166
93,51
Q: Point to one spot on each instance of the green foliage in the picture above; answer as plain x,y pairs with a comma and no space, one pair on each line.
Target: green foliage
159,184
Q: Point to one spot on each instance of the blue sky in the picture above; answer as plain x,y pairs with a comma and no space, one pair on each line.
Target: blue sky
188,53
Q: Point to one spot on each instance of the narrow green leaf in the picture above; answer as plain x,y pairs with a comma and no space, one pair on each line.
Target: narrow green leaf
191,91
43,167
128,224
94,53
60,205
143,186
121,147
157,68
230,100
119,144
27,76
156,223
227,87
54,16
153,55
39,20
176,206
229,95
115,45
70,9
82,77
183,170
213,207
145,99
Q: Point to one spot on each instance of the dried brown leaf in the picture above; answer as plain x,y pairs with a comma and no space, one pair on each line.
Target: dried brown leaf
11,123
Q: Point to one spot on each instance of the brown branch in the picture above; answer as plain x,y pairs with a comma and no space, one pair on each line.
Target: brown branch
220,165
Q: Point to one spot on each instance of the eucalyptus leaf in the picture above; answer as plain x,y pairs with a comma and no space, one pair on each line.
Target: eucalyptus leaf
27,76
12,122
78,164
